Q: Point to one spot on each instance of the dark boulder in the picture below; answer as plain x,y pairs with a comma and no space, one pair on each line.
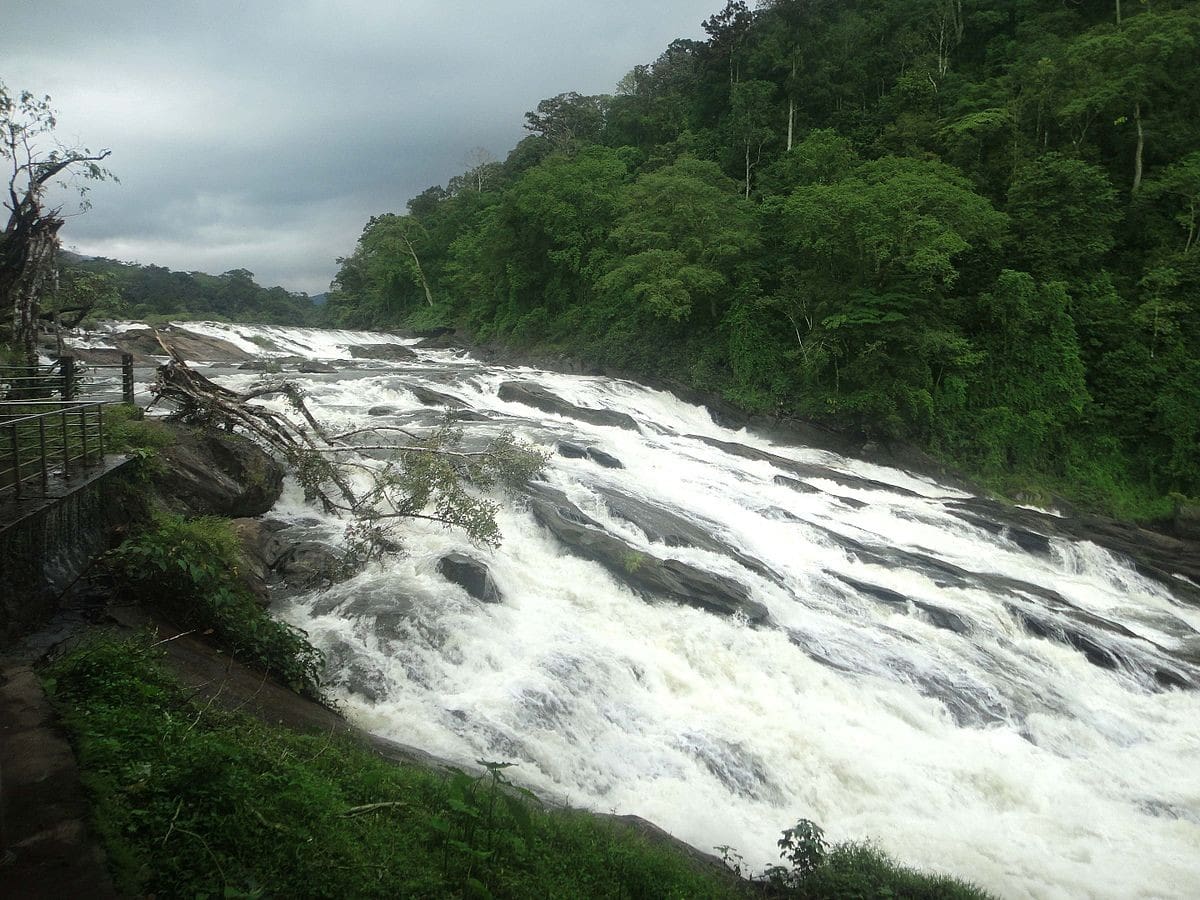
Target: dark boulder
595,454
571,451
383,410
214,473
644,572
444,339
262,546
311,564
471,575
598,456
429,397
1187,521
382,351
315,367
540,398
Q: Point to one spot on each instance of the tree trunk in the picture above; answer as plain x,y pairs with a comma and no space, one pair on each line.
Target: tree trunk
747,170
28,248
420,272
1141,146
1118,12
791,104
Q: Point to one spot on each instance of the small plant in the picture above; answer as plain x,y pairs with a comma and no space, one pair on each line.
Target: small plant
487,826
804,846
191,569
633,560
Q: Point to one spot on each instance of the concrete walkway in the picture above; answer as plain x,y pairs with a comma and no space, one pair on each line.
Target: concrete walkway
46,848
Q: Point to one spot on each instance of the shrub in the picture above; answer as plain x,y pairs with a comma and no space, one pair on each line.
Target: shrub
190,568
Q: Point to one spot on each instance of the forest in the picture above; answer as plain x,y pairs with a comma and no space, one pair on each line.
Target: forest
969,225
106,288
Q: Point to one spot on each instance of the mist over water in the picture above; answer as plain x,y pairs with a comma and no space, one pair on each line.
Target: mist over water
970,704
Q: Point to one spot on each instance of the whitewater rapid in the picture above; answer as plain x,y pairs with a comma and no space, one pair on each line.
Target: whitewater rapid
911,687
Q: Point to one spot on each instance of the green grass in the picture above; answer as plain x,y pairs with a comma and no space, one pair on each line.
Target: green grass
193,801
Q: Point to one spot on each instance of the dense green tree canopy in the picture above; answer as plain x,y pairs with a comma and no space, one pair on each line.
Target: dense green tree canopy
970,225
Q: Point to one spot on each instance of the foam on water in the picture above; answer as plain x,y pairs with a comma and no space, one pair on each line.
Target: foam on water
994,754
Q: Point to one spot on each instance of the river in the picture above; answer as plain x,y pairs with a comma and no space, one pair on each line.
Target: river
998,705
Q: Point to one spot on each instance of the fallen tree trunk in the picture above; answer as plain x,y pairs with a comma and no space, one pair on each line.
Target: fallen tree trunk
427,476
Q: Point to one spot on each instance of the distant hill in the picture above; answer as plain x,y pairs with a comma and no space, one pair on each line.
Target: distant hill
155,292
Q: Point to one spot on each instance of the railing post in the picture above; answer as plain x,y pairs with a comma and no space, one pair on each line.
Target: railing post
100,428
67,364
127,378
16,457
66,447
45,462
83,434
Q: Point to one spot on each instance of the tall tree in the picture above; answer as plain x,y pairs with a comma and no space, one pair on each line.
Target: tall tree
35,162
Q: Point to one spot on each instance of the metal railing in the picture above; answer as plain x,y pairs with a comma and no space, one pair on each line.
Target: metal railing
69,379
42,442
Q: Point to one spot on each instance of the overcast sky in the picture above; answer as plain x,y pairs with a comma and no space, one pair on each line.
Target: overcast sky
262,134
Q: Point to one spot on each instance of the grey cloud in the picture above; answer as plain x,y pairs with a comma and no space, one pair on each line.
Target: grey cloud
262,135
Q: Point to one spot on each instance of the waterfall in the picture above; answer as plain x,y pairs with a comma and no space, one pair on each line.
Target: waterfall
978,698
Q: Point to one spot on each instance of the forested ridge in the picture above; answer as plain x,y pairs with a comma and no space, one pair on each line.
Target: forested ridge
969,224
106,288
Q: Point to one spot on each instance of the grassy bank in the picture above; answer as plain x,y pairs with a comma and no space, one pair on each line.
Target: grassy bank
193,801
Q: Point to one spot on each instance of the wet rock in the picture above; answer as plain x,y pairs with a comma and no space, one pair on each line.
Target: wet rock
382,351
429,397
262,364
467,415
540,398
571,451
471,575
601,458
444,339
383,410
644,572
143,344
803,470
315,367
1027,540
1044,627
595,454
311,564
216,473
1153,554
663,527
262,545
795,484
1187,521
943,618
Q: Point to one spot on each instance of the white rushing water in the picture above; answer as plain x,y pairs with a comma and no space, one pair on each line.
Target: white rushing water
900,692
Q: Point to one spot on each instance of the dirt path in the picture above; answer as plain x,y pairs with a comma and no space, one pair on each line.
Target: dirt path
47,846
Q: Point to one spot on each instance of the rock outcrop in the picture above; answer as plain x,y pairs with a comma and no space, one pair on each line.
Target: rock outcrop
215,473
382,351
539,398
669,578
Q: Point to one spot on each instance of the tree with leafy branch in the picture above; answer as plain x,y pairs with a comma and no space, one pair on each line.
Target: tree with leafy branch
34,163
378,475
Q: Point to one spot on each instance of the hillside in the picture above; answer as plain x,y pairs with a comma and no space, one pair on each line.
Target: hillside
968,226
